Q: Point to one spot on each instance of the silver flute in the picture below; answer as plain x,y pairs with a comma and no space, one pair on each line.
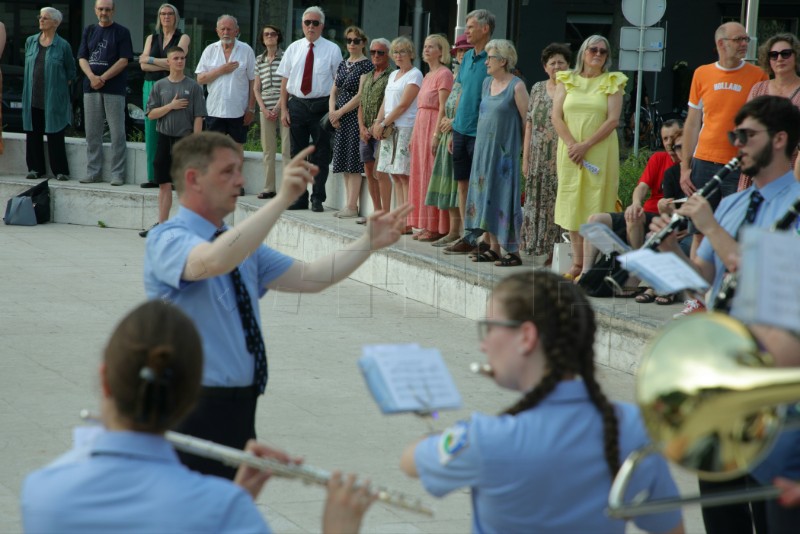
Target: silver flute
306,473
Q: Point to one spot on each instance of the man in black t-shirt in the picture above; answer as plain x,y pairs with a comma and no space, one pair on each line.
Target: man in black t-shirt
103,56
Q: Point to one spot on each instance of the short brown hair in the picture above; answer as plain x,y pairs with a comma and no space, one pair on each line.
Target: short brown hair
196,151
154,364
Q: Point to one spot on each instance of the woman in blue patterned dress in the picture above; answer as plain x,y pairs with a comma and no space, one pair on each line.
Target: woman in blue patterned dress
493,202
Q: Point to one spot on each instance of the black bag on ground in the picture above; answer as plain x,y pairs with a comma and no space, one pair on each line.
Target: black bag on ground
594,282
40,195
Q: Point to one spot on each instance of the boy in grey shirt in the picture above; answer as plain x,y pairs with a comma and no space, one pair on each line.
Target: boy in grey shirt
178,105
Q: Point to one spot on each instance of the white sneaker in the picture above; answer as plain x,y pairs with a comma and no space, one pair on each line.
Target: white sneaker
690,306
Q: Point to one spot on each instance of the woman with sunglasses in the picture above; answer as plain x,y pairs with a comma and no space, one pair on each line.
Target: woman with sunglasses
538,336
127,477
779,59
586,111
343,115
267,89
153,61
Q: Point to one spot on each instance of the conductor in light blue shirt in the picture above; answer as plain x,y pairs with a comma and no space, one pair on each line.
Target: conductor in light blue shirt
216,275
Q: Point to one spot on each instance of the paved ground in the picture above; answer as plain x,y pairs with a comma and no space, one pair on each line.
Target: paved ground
64,288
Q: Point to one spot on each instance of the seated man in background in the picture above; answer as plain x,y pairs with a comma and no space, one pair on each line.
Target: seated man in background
630,226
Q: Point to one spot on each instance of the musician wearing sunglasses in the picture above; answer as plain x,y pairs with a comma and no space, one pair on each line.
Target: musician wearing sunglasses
765,135
778,57
538,336
127,477
308,71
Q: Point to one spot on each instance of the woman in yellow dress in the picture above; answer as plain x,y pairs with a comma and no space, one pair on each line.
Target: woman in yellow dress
586,111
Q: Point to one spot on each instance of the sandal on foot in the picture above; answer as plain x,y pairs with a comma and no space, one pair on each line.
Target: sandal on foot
446,240
666,300
486,257
628,293
509,260
646,298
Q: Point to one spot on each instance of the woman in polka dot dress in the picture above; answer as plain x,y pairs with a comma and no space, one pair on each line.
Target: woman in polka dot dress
343,114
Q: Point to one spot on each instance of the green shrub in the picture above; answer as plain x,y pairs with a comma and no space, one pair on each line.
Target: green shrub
630,171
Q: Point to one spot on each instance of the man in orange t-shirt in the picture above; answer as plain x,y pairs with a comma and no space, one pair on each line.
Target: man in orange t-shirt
718,91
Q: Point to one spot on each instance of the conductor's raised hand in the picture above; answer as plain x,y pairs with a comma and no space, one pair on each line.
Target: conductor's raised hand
384,228
251,479
297,175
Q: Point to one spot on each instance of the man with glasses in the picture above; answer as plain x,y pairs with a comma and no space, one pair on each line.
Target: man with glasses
766,133
103,56
308,69
718,90
228,68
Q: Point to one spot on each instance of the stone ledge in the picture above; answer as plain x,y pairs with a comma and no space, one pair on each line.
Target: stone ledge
414,270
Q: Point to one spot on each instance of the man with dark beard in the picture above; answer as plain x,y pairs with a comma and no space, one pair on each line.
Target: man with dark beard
766,134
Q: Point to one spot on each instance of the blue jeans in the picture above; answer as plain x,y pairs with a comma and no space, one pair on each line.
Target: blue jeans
98,106
305,114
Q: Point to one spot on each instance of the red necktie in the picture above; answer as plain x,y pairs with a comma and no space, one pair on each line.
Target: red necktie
308,71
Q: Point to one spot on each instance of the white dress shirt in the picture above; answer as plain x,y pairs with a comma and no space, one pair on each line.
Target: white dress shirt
229,94
327,57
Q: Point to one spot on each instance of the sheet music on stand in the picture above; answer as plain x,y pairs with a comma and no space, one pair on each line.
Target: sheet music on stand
768,288
408,378
665,272
602,237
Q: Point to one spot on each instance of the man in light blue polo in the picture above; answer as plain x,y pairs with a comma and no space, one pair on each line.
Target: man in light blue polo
472,72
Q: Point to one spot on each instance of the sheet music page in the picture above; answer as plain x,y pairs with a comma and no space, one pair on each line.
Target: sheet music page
665,272
602,237
768,289
409,378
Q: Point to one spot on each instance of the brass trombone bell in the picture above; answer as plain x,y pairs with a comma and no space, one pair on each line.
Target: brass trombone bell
711,402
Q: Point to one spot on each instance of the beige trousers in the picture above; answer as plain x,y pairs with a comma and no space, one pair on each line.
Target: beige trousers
269,144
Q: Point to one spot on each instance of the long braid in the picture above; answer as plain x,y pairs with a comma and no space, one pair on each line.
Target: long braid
566,326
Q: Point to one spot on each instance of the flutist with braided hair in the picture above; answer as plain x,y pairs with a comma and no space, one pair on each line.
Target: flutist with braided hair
766,134
546,464
127,477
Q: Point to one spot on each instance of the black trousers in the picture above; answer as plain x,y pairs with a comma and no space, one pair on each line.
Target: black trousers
742,518
34,147
225,416
305,115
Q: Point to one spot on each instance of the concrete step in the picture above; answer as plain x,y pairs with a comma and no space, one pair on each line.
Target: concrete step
416,271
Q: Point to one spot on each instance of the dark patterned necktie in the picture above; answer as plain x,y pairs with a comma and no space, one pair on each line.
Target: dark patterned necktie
752,210
252,331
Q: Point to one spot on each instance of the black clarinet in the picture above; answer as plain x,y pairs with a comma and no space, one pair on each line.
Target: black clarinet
679,221
727,289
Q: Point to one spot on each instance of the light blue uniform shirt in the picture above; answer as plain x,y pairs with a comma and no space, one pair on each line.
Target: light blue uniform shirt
543,470
470,75
211,303
778,195
133,482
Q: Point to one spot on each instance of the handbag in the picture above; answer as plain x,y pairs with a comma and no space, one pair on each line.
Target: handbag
562,255
19,211
40,198
604,276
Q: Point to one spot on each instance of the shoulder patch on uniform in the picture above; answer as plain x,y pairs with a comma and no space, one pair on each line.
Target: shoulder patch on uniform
452,442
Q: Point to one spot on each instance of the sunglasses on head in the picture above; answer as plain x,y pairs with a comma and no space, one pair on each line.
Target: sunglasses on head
355,40
785,53
378,52
598,50
310,22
